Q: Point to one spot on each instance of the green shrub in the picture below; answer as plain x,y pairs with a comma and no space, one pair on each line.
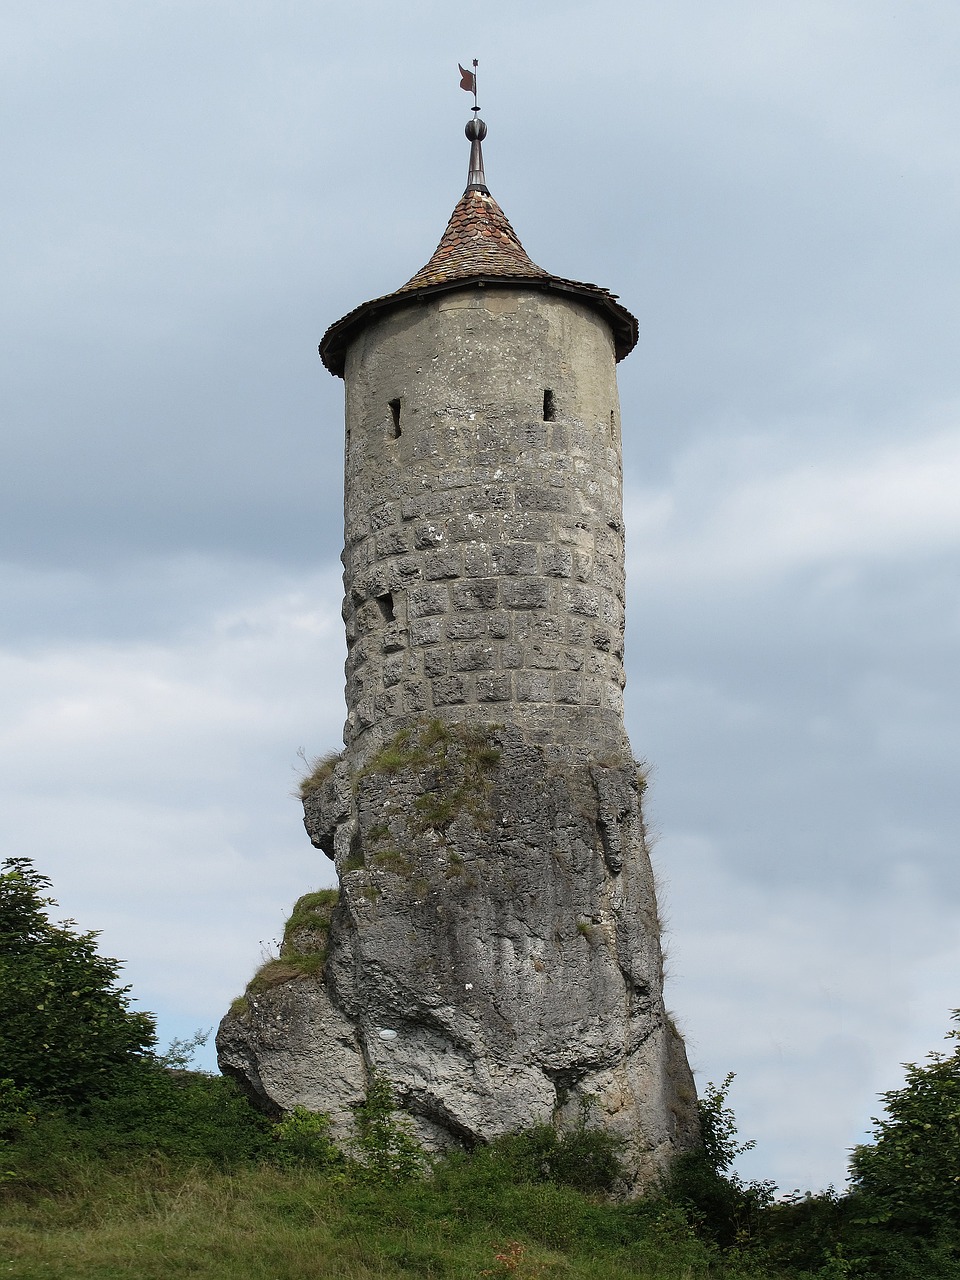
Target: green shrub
17,1117
302,1139
181,1118
17,1109
586,1159
182,1115
910,1173
901,1218
719,1204
385,1147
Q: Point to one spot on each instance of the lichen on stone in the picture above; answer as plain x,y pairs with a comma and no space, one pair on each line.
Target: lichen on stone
457,762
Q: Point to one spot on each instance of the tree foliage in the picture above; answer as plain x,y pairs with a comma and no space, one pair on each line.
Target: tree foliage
910,1174
385,1145
719,1204
66,1027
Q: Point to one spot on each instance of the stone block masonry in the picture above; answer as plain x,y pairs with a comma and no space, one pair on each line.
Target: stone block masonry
484,518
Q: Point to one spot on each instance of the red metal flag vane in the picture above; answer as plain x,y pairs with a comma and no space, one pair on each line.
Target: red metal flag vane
468,80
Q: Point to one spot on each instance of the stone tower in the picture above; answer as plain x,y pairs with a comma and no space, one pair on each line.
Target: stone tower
494,949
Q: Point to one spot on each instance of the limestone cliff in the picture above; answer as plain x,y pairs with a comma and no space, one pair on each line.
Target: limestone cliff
493,951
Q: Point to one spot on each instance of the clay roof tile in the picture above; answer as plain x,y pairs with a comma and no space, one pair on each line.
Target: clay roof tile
478,241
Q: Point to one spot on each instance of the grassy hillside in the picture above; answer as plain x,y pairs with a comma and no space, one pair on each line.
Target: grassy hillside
116,1161
171,1174
72,1212
154,1221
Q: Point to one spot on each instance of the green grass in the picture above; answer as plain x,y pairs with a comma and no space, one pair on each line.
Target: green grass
311,913
392,860
175,1177
318,771
160,1221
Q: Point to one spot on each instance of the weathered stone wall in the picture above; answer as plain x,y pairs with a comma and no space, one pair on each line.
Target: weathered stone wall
484,533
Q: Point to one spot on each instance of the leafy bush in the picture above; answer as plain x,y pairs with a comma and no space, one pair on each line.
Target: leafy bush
719,1204
66,1028
302,1138
176,1118
588,1160
910,1174
901,1218
386,1148
17,1117
17,1109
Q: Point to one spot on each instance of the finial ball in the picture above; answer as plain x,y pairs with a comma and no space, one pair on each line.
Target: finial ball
476,130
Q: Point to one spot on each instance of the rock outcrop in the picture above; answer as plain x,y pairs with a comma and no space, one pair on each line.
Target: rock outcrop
493,952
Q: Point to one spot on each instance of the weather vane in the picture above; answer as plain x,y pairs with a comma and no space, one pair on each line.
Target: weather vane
476,131
468,81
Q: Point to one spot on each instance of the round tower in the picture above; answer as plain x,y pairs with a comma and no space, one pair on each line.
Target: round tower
483,559
492,951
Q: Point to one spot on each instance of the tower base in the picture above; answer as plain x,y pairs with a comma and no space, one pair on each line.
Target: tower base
493,953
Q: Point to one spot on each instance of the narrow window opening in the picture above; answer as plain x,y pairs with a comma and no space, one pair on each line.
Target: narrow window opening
549,408
385,605
613,426
395,414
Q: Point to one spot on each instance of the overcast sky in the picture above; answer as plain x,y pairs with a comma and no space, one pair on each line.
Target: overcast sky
195,189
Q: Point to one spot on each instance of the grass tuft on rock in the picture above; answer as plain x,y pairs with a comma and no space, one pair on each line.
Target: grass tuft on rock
311,913
318,771
303,951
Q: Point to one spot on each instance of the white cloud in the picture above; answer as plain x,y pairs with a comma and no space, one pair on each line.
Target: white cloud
737,509
813,997
152,782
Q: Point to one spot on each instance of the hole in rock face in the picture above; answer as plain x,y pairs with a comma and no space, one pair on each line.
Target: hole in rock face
549,407
385,605
395,416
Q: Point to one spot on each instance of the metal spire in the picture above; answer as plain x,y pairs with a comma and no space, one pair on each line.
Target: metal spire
476,131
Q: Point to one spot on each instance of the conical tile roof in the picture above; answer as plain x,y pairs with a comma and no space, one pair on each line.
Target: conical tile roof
479,247
478,241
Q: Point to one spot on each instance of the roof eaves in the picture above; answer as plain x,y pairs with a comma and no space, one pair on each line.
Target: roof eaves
336,340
